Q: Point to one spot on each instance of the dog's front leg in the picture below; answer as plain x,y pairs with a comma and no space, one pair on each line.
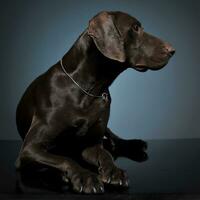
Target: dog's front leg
108,171
122,145
118,147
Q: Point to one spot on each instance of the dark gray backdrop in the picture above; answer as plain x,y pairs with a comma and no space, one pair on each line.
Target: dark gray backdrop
162,104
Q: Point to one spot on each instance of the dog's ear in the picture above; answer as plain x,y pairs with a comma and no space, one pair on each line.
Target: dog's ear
106,36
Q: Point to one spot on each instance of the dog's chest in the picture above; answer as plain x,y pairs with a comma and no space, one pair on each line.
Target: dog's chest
93,118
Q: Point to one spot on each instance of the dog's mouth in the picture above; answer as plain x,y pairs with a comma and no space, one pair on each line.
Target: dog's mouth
144,68
140,68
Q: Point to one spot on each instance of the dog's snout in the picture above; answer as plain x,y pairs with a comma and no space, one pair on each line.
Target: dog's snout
169,49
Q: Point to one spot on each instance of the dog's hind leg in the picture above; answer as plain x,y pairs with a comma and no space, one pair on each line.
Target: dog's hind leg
35,150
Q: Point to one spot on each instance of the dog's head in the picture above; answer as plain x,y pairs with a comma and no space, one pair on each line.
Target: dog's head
121,37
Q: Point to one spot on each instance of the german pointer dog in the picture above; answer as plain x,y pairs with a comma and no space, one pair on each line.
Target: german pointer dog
63,114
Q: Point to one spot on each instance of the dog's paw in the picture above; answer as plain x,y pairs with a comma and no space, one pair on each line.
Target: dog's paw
113,175
87,182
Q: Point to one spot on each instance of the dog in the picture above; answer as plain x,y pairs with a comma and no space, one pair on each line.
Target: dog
63,114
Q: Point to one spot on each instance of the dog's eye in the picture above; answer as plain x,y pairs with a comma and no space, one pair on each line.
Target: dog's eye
136,27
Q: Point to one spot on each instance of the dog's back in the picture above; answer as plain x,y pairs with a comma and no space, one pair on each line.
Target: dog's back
26,106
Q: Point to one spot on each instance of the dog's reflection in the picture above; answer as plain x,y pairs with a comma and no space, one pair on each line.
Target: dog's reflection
41,179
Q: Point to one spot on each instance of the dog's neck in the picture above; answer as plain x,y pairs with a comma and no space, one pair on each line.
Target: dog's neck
89,68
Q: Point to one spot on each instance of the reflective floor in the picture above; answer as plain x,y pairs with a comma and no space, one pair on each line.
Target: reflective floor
172,167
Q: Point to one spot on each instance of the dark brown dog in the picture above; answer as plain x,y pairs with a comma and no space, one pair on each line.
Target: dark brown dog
63,114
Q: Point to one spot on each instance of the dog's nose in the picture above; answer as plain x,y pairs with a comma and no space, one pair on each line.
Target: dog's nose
170,50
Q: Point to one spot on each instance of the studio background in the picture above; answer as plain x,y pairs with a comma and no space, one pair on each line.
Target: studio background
156,105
